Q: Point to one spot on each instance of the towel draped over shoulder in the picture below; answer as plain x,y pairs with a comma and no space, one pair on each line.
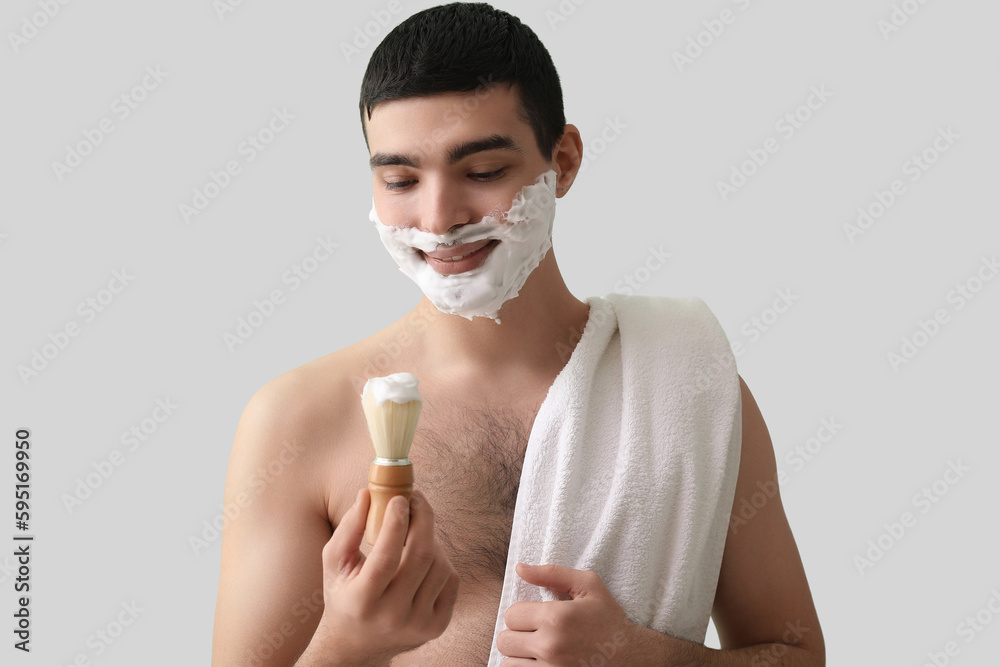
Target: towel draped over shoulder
630,468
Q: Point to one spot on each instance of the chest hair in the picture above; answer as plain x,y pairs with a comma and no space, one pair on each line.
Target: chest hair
468,463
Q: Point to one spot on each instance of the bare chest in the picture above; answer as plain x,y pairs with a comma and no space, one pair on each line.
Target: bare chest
468,463
467,456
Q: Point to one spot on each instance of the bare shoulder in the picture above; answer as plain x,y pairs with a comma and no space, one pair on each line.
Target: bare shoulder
302,420
309,420
763,594
290,463
300,400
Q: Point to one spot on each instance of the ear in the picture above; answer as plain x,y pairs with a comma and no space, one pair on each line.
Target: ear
566,158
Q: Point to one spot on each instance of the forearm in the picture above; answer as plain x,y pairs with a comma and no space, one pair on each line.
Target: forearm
323,652
653,648
316,658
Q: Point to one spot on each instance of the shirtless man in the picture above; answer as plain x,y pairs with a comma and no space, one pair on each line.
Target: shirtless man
298,583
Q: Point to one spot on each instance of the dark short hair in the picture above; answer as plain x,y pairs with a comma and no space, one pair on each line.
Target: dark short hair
459,47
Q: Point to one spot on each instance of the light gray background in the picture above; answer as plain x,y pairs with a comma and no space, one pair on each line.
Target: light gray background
654,185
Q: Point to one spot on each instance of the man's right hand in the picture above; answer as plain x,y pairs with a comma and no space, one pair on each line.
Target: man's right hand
399,597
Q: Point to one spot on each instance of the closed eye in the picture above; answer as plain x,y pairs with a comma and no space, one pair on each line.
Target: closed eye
481,177
398,185
489,175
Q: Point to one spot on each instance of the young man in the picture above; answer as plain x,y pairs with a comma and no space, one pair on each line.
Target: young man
469,150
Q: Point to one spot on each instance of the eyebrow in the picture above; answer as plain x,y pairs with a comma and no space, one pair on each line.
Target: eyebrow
455,154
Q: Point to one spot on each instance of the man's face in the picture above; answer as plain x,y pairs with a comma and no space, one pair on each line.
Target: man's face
444,161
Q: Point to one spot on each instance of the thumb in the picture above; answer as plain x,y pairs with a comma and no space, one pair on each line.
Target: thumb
557,578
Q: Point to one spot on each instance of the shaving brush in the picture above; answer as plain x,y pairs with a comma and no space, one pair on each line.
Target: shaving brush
392,406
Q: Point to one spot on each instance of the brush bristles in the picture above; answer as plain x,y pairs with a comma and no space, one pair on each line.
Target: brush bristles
391,426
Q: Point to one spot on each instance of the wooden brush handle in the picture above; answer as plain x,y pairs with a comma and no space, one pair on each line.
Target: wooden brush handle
384,482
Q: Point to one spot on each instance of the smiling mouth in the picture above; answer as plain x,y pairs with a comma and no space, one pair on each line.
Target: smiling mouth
455,259
467,258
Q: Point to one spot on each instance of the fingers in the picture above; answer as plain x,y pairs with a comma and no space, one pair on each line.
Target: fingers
561,579
523,616
432,587
421,516
435,599
420,551
407,567
405,588
383,559
517,647
343,552
445,603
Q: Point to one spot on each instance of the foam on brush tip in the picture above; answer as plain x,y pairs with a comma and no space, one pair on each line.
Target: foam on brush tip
391,424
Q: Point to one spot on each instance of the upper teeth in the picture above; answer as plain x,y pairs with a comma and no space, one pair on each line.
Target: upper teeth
455,259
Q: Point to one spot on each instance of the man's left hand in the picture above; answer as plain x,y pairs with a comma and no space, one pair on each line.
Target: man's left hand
567,632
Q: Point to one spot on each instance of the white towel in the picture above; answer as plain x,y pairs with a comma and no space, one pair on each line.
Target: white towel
630,469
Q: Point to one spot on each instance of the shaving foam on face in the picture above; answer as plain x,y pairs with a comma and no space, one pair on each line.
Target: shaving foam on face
524,233
398,388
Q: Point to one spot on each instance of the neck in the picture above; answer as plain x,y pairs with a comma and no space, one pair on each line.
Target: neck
538,330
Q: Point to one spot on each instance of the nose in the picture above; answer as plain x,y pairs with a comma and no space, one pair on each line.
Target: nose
443,206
